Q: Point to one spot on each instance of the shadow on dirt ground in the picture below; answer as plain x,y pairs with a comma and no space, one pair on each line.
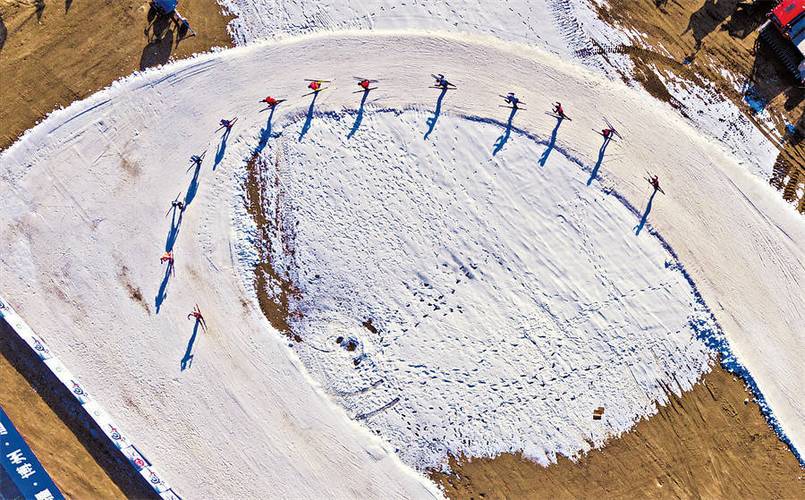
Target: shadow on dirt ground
161,32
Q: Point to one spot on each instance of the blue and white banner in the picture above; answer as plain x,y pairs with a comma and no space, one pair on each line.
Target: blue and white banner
21,467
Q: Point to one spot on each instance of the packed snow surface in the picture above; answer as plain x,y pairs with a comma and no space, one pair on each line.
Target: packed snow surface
568,28
507,298
233,412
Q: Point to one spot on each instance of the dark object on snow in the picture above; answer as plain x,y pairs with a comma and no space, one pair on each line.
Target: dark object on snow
784,32
598,413
369,326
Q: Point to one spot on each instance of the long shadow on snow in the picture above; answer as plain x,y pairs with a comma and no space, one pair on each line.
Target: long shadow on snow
265,134
436,112
187,359
173,232
219,153
598,163
359,116
552,144
192,189
308,117
162,294
643,220
503,139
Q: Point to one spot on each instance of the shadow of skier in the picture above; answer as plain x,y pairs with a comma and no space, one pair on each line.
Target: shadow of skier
503,139
219,154
173,232
643,220
598,163
436,112
308,117
359,116
265,134
162,294
187,359
552,143
192,189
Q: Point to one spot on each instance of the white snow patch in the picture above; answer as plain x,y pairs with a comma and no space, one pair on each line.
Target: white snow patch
510,299
569,28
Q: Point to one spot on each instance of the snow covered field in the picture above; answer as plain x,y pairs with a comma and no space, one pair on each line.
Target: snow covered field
510,299
89,188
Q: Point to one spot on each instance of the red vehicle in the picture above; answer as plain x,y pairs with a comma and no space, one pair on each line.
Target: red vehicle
785,33
787,12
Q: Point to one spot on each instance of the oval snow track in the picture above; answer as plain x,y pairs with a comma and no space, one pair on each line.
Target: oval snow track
85,202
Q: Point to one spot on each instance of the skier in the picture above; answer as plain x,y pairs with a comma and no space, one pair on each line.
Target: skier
364,84
227,124
655,183
196,160
441,82
271,101
608,133
513,100
315,85
167,257
559,111
196,314
177,204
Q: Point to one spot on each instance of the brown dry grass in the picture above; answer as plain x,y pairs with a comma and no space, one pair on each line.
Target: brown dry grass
706,444
54,56
275,288
714,36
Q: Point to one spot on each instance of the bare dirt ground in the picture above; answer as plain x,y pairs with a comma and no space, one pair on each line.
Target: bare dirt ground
51,54
55,52
710,41
705,444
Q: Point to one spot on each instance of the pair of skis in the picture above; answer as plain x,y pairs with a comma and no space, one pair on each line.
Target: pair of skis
231,124
439,79
650,181
367,89
559,117
321,88
509,104
612,129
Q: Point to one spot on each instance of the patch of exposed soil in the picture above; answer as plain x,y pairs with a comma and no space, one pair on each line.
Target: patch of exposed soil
55,52
706,444
709,41
274,286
